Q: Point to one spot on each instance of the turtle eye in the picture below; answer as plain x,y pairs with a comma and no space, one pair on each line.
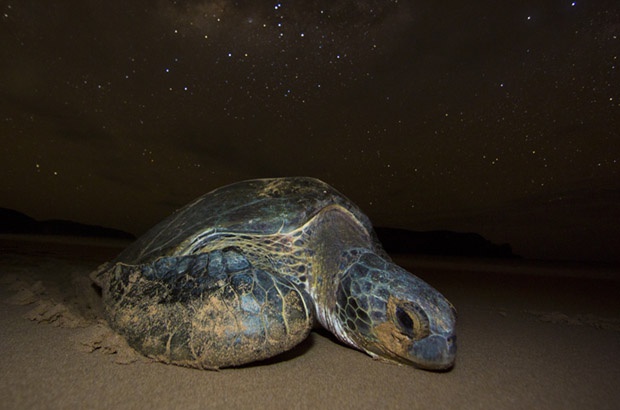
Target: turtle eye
404,320
412,321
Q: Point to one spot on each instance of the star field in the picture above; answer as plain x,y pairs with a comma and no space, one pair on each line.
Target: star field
423,113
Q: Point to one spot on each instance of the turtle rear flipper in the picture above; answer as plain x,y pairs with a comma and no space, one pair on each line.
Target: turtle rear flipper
208,311
99,274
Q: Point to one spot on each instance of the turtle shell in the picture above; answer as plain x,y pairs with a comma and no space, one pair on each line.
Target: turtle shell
260,206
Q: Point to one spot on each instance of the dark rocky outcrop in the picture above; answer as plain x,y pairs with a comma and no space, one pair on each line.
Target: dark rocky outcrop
14,222
441,243
394,240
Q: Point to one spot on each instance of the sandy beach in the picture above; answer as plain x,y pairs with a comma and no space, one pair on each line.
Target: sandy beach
530,335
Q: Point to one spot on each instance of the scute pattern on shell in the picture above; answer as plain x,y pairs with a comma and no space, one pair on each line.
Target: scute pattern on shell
264,206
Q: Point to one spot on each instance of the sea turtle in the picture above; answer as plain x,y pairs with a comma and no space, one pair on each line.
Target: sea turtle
242,273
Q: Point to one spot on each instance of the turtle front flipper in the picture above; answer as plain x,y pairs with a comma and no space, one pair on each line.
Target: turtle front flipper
209,310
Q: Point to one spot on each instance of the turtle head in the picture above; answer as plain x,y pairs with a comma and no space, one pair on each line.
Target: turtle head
392,315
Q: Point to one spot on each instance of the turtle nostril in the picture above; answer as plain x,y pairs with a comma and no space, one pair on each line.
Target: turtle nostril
435,352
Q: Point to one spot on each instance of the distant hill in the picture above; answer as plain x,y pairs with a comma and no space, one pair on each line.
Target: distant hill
394,240
15,222
441,243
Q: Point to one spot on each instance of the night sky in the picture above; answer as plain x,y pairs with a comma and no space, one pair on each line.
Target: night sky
503,119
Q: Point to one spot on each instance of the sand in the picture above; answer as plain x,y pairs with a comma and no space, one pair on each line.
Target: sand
530,335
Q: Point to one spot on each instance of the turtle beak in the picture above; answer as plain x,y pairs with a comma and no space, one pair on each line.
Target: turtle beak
435,352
